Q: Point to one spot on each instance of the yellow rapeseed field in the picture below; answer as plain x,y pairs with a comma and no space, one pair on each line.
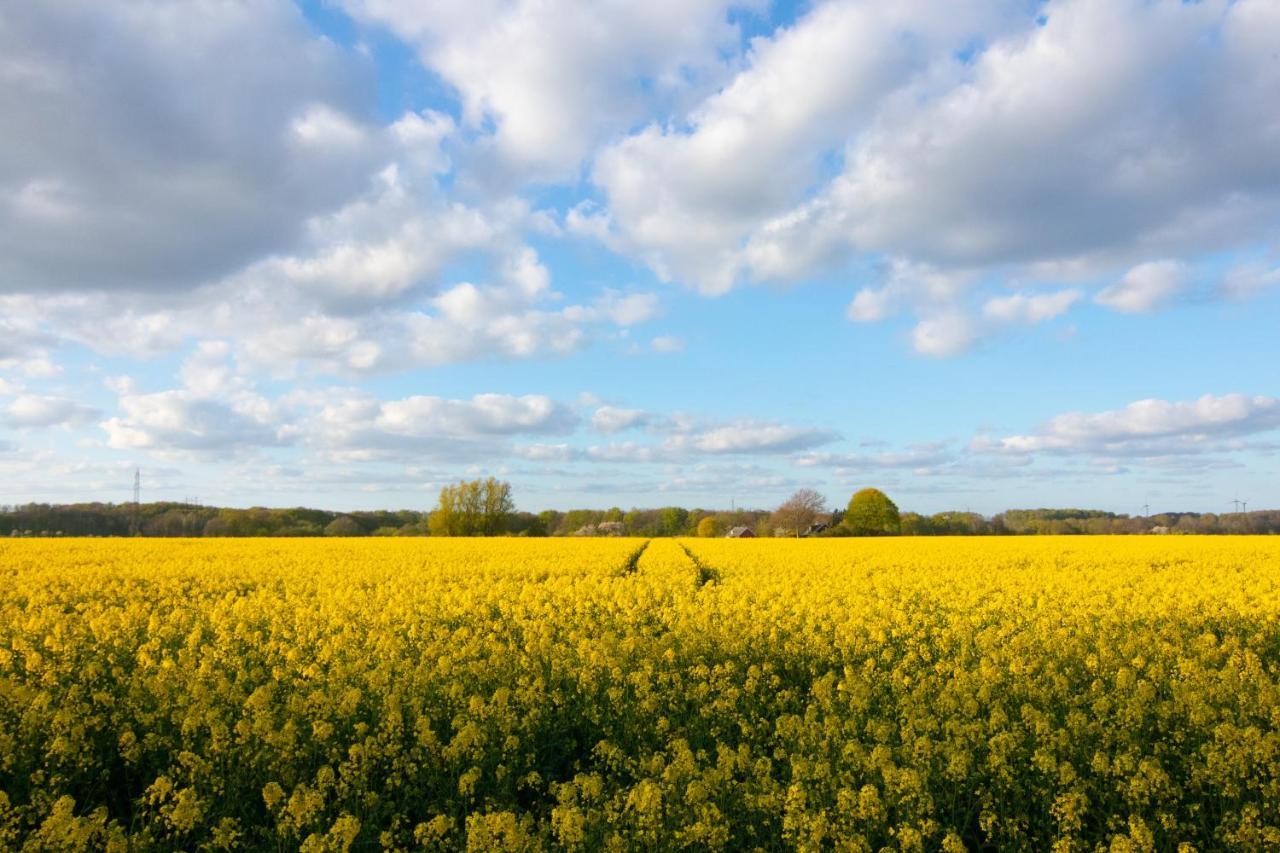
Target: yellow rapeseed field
909,694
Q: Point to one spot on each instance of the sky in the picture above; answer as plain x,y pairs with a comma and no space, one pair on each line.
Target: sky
337,253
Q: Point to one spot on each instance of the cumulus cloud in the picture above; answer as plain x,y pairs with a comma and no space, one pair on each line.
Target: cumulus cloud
946,323
216,413
630,452
550,80
23,343
1079,140
284,222
180,422
944,335
627,309
1137,120
945,326
484,414
1029,309
202,168
686,196
28,411
1248,280
1147,427
46,475
354,426
545,452
719,479
611,419
666,344
750,436
1145,288
470,322
920,456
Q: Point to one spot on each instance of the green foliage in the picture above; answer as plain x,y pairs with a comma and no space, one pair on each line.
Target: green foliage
871,513
709,526
169,518
473,508
915,524
344,525
674,520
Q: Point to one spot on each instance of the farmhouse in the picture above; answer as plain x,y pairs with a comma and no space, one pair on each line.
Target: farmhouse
741,532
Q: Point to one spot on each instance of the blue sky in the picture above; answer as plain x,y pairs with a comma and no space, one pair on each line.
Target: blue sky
341,252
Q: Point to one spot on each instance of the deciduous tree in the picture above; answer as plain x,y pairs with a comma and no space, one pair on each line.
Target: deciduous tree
799,511
871,513
709,527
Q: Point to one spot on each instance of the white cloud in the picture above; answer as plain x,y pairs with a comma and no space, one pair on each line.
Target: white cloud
946,326
720,480
22,342
40,367
1145,288
179,422
1096,138
629,452
203,167
484,414
686,196
206,373
120,385
871,305
545,452
45,475
1147,427
28,411
944,335
216,412
545,81
1116,128
1248,280
907,285
349,425
1029,309
920,456
628,309
750,436
666,344
611,419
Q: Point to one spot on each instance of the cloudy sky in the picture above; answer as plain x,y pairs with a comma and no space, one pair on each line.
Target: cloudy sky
338,252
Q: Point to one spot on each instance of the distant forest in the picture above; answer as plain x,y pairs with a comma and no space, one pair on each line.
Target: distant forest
181,519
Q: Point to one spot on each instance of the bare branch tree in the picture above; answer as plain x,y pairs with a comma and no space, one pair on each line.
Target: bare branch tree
799,511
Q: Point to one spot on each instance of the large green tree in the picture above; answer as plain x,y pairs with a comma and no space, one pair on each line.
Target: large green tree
473,508
709,526
871,513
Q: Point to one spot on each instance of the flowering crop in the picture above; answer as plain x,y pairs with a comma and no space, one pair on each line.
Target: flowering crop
1045,693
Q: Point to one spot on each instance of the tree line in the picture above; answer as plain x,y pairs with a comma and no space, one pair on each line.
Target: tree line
486,507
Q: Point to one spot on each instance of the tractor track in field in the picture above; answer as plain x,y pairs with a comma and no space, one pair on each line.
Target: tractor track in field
633,562
706,574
